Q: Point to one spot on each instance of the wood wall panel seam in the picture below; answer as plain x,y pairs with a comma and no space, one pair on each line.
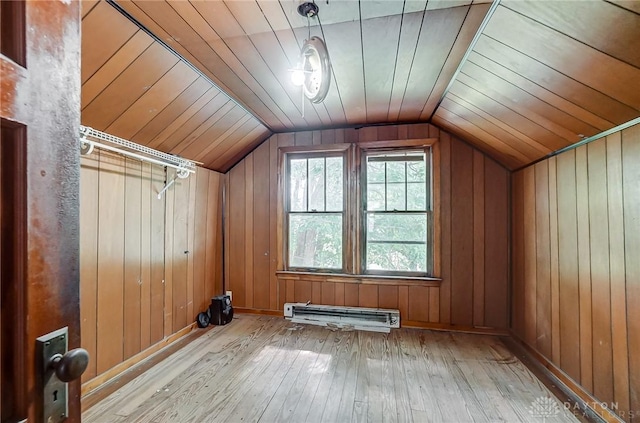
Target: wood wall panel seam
584,274
600,270
496,257
542,281
631,210
555,284
619,332
478,239
89,174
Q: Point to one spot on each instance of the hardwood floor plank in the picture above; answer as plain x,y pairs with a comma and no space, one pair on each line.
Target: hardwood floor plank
266,369
313,364
286,396
407,349
400,386
308,392
332,377
347,399
370,379
389,395
341,390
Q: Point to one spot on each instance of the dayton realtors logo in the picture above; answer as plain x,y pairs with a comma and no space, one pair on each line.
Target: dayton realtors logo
544,408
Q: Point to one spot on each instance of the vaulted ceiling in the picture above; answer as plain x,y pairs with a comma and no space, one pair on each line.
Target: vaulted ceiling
540,75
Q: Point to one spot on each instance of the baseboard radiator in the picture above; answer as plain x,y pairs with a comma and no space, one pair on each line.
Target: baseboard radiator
345,318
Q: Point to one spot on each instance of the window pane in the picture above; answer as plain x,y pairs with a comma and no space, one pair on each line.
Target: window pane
375,197
395,171
315,240
397,227
298,184
395,196
397,242
375,172
404,177
416,171
335,185
397,257
416,196
316,184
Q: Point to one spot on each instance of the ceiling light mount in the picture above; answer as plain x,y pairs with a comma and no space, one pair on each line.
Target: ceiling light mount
308,9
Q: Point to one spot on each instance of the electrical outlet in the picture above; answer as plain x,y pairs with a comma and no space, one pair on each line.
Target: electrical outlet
230,294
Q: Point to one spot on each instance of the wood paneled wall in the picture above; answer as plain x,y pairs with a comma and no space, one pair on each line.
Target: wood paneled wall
147,265
576,265
474,236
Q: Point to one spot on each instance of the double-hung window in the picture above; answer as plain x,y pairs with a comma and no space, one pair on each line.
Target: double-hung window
358,210
396,209
315,211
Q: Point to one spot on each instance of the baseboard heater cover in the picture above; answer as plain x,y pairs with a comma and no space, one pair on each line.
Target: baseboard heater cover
361,318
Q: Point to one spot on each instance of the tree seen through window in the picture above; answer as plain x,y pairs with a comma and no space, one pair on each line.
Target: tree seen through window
316,212
385,220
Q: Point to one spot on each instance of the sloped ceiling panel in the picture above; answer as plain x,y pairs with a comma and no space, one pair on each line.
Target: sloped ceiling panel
542,75
545,75
391,60
134,88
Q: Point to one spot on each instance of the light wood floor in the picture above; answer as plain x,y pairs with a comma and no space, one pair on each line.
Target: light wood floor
266,369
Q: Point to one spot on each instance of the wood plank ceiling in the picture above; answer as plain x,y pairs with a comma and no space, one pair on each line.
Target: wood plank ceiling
134,88
542,76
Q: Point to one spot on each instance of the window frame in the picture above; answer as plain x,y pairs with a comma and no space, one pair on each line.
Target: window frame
286,154
353,237
427,212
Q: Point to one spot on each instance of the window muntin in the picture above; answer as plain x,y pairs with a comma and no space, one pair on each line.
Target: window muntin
315,212
396,209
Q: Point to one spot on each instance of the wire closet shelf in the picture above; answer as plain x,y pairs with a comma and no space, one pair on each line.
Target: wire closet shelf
91,138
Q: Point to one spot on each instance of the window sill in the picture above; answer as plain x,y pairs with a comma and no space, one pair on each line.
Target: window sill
360,279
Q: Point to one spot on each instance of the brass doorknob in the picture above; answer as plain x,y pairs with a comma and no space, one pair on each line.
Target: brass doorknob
70,366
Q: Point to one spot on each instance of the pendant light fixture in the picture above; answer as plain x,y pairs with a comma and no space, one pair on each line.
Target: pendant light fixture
313,72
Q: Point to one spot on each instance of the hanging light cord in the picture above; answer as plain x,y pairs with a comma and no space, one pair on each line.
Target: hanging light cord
302,88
